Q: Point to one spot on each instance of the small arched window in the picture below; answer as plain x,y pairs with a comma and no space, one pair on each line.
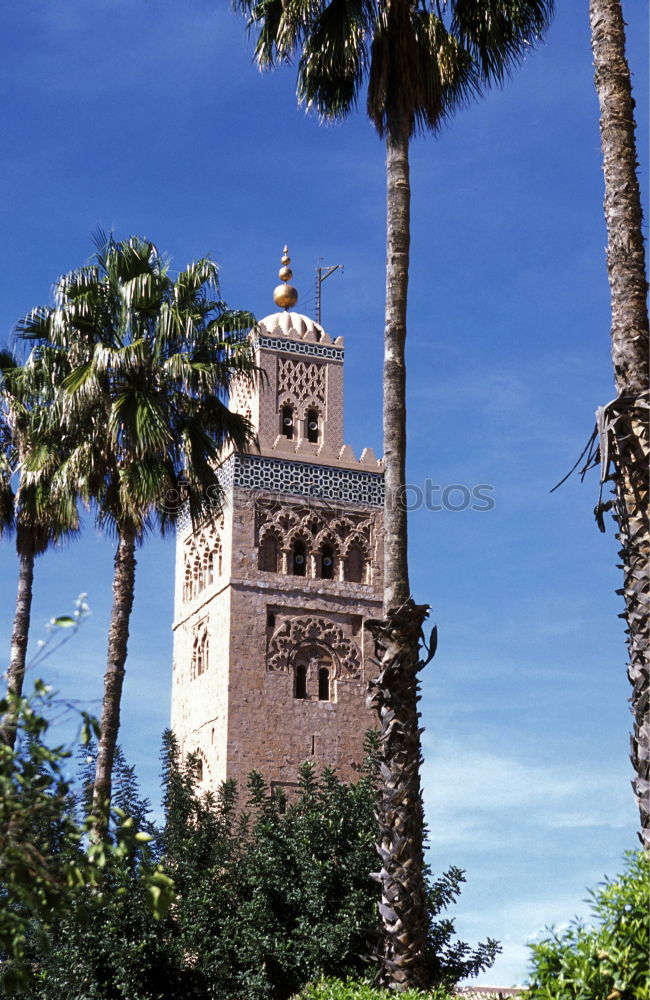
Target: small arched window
199,770
209,568
213,563
268,554
327,562
287,422
323,684
355,565
200,651
299,559
197,575
188,581
301,681
312,427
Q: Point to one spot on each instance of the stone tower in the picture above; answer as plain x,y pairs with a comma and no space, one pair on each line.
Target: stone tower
271,658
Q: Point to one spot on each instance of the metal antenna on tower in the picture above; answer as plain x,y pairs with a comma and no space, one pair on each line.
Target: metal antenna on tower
321,274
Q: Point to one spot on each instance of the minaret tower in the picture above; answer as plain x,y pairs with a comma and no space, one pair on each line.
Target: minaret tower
271,658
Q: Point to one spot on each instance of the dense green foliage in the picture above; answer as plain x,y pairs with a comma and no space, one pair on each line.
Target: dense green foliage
266,900
607,961
338,989
48,871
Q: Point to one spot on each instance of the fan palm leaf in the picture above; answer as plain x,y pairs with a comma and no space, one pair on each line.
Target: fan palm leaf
37,507
144,363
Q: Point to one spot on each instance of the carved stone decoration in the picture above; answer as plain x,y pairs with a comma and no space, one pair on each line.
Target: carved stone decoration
317,522
202,559
241,397
296,633
301,379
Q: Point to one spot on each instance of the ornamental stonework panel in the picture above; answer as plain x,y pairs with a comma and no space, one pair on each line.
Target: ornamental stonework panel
301,380
241,397
317,524
296,635
300,347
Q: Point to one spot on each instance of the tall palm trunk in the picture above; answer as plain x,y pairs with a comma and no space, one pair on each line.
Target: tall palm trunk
19,637
624,422
401,952
118,635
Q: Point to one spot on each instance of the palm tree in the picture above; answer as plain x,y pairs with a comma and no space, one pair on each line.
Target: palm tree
149,360
623,423
422,60
39,513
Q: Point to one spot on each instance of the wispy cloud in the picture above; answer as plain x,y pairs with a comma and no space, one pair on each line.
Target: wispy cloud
475,795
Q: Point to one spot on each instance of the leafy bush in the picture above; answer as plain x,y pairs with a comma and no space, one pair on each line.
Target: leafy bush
608,961
267,899
337,989
48,872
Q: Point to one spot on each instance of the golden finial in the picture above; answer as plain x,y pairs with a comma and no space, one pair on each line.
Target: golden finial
285,295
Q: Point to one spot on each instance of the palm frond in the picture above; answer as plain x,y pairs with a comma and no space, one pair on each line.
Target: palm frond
498,34
334,58
421,61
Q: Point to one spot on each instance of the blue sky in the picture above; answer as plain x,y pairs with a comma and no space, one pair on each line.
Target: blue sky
149,118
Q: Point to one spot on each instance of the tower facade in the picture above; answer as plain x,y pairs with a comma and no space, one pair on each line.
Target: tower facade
271,658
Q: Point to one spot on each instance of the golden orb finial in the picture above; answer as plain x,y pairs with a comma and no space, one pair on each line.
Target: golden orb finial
285,295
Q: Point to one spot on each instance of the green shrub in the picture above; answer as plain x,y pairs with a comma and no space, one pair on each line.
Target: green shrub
338,989
49,872
608,961
266,901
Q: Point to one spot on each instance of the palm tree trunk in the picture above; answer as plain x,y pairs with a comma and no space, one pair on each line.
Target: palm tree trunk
626,437
401,952
398,240
118,635
19,637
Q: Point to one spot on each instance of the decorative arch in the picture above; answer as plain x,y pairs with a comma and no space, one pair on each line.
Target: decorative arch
188,573
200,649
356,561
314,524
288,408
299,532
212,560
312,412
326,546
203,562
269,550
313,672
298,557
312,403
309,632
343,527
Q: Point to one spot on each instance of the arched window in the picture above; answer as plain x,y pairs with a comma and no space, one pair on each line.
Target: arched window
212,561
301,681
323,684
311,425
199,770
327,562
188,582
208,575
197,575
268,554
200,649
355,565
287,422
299,559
